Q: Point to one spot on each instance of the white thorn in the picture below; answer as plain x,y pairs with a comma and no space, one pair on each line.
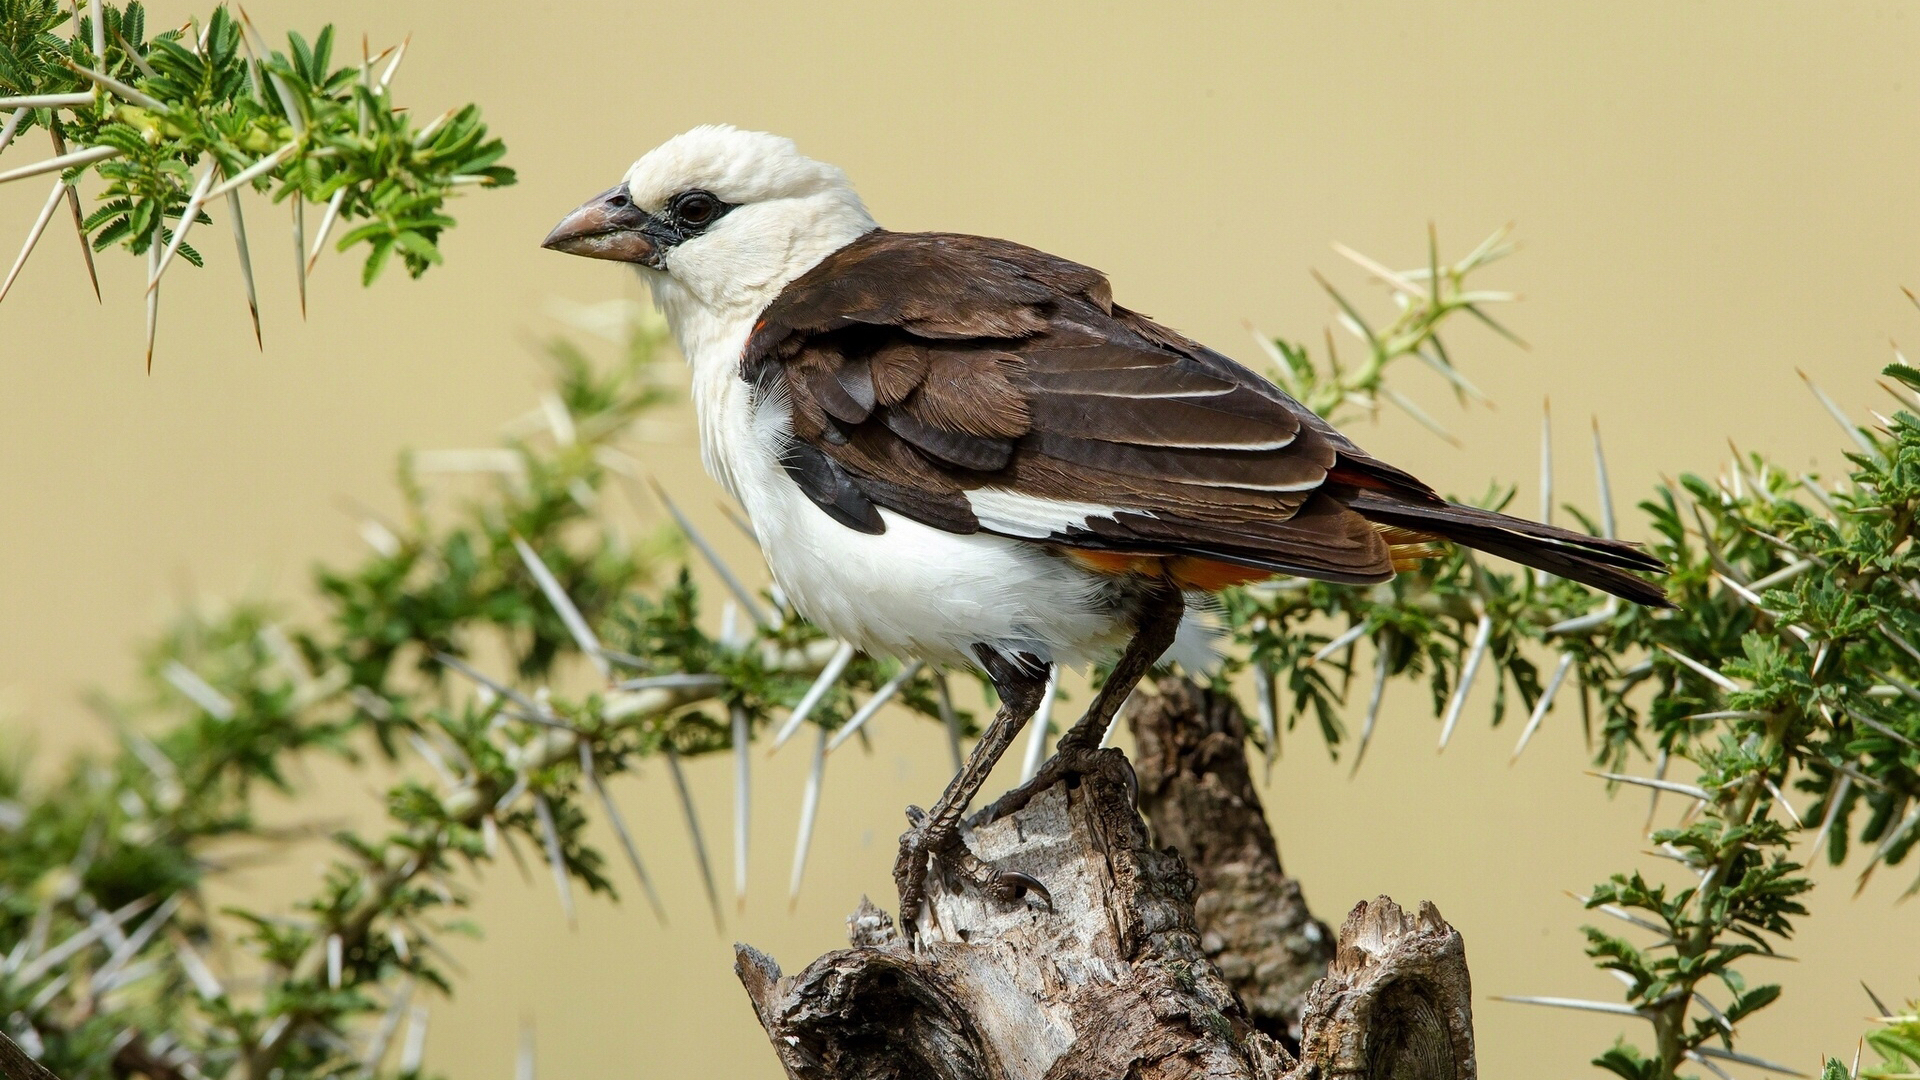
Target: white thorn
1481,635
327,221
300,248
1540,707
1703,670
742,800
10,128
246,265
1846,424
948,718
187,217
47,101
811,699
1042,720
198,690
1351,635
34,234
1374,698
75,159
153,295
693,831
880,697
287,103
1613,1007
1265,709
1605,488
809,811
620,831
399,54
523,1062
336,958
1407,406
1689,790
414,1050
1546,475
117,88
739,591
563,605
252,172
550,838
99,29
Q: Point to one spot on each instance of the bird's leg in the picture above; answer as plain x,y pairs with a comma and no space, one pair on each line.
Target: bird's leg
937,835
1078,753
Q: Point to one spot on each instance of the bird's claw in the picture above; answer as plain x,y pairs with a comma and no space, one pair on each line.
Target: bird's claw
932,840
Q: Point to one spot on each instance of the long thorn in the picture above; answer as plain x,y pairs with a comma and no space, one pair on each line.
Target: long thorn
252,172
153,295
809,811
1689,790
1042,720
576,624
727,577
33,235
1703,670
79,217
742,801
399,54
325,230
815,693
693,832
1540,707
1374,698
300,248
1613,1007
949,719
1349,636
74,160
1840,417
187,218
1407,406
246,265
47,101
99,28
880,697
12,127
1605,488
295,118
550,837
1546,475
1482,634
1264,710
115,87
619,823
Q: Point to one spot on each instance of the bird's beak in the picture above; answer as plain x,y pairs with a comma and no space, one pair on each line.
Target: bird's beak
608,227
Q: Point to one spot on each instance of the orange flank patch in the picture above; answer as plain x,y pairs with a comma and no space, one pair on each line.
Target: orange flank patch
1189,572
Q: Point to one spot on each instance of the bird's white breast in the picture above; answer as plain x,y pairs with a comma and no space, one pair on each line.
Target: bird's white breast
911,591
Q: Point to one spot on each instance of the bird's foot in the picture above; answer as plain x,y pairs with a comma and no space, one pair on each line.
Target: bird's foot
934,842
1071,761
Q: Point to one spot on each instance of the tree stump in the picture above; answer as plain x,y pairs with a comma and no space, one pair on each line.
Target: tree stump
1117,981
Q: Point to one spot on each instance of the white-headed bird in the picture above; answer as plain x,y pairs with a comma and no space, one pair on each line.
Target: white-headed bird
960,449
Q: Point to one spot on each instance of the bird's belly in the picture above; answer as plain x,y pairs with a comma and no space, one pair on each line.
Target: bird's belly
912,590
917,591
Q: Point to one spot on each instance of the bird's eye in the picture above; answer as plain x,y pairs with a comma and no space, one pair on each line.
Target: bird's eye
696,207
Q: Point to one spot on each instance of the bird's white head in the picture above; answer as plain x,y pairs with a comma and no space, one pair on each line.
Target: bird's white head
719,220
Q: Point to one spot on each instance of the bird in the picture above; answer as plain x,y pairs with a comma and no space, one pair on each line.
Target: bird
962,450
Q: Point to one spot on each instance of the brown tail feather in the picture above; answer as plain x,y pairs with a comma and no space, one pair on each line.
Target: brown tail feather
1590,560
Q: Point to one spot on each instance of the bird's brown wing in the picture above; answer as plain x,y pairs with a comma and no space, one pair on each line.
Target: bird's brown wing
979,385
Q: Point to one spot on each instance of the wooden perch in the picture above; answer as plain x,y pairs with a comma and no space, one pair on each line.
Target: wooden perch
1198,796
1116,981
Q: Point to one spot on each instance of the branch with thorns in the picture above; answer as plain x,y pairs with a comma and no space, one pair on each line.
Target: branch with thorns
198,115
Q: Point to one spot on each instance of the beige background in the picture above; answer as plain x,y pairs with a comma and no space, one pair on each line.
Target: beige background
1709,195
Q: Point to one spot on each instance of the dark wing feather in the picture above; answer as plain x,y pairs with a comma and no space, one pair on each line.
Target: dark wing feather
922,367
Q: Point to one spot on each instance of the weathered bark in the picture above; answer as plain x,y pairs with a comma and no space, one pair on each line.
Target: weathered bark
1116,980
1197,794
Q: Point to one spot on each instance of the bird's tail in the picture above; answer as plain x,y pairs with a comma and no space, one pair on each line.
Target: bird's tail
1589,560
